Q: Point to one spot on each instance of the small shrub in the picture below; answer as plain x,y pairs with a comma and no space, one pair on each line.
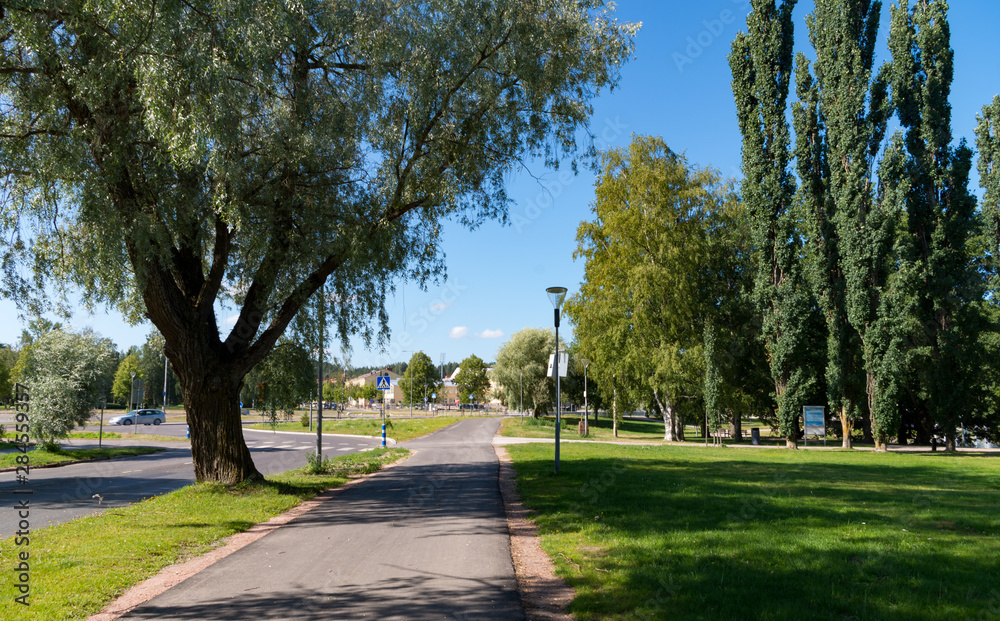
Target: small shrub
49,446
304,420
317,465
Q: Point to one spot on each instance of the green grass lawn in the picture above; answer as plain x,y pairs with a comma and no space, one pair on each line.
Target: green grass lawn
37,457
629,430
79,567
402,430
691,533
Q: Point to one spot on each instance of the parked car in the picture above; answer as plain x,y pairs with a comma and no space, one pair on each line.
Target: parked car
144,417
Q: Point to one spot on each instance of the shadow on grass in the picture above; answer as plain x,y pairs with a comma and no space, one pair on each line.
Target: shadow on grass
770,537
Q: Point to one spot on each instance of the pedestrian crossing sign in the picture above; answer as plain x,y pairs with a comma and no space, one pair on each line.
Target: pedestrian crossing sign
382,382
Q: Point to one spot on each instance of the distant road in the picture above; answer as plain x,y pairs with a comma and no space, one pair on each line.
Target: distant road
67,492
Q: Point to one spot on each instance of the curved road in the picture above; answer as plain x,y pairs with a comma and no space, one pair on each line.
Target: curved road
67,492
426,539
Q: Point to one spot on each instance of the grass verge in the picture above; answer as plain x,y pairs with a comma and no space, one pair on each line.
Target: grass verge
79,567
38,457
402,430
114,435
683,533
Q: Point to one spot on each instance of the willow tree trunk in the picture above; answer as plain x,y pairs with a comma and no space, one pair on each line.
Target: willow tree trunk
212,402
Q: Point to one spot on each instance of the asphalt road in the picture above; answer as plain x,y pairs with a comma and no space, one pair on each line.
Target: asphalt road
426,539
67,492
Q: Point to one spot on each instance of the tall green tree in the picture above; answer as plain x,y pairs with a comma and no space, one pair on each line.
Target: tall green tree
249,151
840,123
422,375
151,363
121,388
649,264
520,368
941,221
472,380
65,379
285,379
8,358
988,145
761,64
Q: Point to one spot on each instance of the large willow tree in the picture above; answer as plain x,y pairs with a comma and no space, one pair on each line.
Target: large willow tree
171,156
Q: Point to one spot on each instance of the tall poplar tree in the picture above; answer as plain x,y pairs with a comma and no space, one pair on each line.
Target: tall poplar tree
761,64
988,145
840,122
940,215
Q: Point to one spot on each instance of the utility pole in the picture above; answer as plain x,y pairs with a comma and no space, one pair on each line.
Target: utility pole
319,386
166,370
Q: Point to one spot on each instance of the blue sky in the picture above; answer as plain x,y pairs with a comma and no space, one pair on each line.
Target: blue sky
678,87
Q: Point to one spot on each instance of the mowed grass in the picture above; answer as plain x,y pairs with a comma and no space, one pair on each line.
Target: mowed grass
114,435
79,567
693,533
401,430
630,430
38,457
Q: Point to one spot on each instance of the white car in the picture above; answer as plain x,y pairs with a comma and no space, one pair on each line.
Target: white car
144,417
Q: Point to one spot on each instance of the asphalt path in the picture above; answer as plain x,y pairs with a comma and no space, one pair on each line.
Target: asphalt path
64,493
426,539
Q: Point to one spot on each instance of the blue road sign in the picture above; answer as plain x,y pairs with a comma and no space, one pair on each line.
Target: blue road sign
382,382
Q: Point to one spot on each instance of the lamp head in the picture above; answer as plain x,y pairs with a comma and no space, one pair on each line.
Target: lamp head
556,296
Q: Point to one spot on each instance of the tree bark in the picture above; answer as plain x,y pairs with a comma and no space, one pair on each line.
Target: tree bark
614,414
847,426
669,422
212,402
737,427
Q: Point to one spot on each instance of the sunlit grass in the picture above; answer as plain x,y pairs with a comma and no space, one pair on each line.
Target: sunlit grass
686,533
39,457
79,567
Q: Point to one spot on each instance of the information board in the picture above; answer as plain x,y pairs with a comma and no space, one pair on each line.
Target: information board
814,419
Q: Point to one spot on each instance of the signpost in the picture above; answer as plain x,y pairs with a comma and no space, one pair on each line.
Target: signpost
563,364
814,418
382,382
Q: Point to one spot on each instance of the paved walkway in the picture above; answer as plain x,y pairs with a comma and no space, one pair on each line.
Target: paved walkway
426,539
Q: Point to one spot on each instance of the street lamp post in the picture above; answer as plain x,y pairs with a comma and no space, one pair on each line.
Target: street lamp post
166,369
556,296
135,423
586,407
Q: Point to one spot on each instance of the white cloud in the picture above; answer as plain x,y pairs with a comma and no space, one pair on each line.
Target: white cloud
459,332
490,334
440,306
229,321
